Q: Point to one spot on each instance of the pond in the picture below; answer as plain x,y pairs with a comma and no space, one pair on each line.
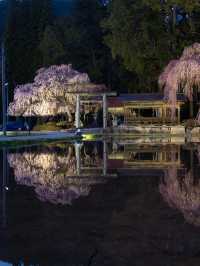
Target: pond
112,203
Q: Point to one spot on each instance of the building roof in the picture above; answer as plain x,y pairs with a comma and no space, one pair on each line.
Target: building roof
118,101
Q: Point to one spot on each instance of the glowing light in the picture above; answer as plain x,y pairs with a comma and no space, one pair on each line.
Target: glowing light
89,137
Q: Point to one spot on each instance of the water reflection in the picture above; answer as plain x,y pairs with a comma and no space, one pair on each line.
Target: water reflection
64,172
59,174
145,156
181,190
111,203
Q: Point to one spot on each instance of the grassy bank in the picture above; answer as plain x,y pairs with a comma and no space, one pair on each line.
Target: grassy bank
22,138
20,144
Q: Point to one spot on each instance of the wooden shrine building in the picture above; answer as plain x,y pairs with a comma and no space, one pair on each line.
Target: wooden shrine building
134,109
128,109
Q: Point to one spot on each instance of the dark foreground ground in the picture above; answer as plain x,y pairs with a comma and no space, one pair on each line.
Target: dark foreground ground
123,222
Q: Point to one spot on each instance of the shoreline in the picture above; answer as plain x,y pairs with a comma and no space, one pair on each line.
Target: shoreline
145,134
35,137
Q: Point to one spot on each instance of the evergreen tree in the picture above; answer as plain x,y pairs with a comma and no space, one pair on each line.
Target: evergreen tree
188,6
147,34
87,17
27,20
83,40
41,16
17,39
50,48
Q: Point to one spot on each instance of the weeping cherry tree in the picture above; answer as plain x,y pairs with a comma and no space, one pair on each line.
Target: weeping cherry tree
182,75
53,92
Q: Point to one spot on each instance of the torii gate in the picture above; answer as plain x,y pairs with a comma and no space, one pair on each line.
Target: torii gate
104,96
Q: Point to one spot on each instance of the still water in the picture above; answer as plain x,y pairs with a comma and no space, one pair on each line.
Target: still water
100,203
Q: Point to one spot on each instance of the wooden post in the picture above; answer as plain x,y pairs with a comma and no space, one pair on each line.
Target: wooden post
162,114
179,115
165,111
77,122
105,111
125,116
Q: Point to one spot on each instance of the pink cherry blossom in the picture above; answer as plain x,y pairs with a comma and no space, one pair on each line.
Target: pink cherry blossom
182,75
52,92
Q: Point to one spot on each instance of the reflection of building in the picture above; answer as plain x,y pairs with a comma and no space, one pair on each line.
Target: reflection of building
146,156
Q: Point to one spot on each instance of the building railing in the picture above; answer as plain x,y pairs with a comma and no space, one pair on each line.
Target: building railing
150,120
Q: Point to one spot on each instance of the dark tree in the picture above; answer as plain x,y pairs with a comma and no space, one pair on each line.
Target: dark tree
51,48
83,41
26,23
147,34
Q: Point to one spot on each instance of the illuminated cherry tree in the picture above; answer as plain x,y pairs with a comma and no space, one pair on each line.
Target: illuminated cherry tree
182,75
52,92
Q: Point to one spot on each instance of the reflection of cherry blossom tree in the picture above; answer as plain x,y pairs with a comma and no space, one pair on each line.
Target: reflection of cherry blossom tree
52,92
182,74
61,196
52,174
182,193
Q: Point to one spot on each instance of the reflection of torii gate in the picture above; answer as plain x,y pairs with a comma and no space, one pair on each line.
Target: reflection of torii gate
78,159
90,95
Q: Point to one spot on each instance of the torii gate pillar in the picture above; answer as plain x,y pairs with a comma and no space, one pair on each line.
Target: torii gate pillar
105,112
